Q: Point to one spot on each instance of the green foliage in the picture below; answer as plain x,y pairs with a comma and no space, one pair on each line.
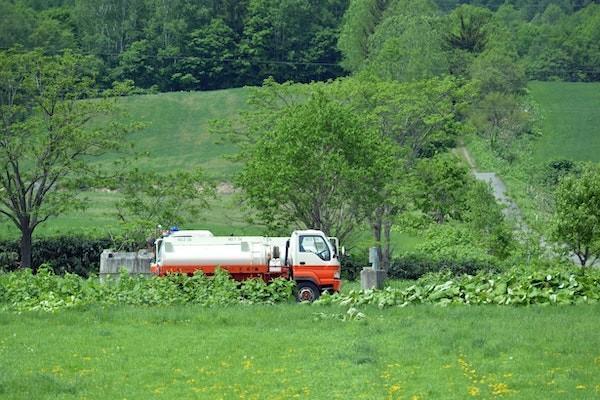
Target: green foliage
24,291
317,163
577,214
501,118
455,241
360,20
442,185
496,70
170,199
406,48
514,287
414,266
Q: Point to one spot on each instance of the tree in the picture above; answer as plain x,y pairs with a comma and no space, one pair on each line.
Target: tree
212,50
420,118
497,70
46,136
150,198
318,164
577,214
500,118
359,23
443,186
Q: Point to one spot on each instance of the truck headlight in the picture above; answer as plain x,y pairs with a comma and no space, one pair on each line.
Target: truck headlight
336,275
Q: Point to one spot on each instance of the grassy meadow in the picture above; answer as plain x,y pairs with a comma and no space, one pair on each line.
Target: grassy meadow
286,351
570,121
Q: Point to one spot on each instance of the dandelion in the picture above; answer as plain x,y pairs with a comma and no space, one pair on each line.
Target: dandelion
499,389
473,391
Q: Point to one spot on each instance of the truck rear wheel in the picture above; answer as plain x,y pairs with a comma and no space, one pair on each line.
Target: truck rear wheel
307,291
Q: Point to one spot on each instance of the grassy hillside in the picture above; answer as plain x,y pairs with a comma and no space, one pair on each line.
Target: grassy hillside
176,136
176,129
570,121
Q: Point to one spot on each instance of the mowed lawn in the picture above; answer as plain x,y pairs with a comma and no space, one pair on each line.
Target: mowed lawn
286,352
570,121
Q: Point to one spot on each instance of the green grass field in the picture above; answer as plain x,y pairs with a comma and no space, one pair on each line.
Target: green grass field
570,120
285,352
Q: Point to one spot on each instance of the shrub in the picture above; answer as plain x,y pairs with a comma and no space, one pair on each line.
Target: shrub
24,291
414,266
64,254
517,286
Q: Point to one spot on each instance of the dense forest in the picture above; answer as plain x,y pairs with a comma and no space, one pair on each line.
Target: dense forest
208,44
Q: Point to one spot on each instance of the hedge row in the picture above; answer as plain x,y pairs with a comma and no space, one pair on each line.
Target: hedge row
81,256
414,266
72,254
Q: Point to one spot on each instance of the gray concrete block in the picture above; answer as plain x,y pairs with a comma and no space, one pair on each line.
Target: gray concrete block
137,263
372,279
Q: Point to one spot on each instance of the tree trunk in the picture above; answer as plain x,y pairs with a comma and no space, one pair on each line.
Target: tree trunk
386,253
26,244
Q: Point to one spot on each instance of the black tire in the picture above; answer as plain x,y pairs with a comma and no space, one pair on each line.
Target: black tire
306,291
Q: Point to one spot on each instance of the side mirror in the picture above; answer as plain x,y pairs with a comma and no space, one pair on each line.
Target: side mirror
342,251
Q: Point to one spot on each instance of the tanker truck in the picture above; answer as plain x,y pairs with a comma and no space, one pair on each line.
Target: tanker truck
308,257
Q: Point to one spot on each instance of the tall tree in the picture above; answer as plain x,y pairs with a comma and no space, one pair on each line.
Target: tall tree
46,136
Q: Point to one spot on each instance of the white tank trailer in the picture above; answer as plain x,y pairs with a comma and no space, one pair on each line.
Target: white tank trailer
187,250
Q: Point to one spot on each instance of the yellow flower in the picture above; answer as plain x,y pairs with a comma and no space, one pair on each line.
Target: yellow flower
498,389
473,391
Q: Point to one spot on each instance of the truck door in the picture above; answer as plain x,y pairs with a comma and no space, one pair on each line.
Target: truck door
313,250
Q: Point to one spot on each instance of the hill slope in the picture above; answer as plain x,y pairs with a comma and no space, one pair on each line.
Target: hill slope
176,129
570,121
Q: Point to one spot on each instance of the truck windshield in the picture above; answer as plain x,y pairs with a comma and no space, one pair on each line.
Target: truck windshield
316,245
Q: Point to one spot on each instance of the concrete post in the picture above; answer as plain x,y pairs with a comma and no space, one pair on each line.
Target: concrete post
372,277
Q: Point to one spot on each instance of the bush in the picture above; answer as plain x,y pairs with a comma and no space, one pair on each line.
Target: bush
414,266
517,286
352,265
64,254
24,291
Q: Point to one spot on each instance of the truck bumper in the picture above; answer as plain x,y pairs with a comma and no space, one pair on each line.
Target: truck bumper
337,285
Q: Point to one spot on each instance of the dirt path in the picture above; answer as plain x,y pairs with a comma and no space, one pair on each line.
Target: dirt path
511,210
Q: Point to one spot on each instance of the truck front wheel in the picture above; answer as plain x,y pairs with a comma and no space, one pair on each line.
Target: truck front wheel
307,291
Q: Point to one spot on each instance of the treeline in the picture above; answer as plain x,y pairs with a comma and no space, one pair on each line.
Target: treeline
406,40
210,44
184,44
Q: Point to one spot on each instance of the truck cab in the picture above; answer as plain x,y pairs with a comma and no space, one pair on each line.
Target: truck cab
314,262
